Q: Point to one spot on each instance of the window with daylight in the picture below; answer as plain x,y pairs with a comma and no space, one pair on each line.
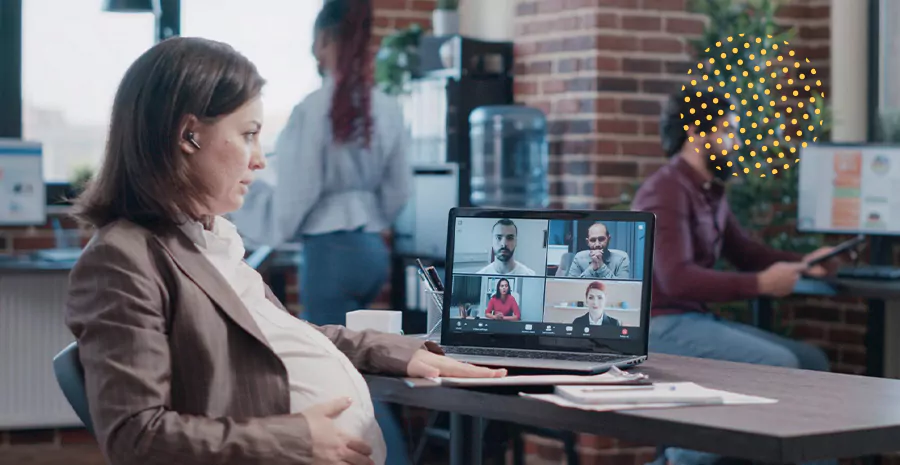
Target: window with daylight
276,35
73,56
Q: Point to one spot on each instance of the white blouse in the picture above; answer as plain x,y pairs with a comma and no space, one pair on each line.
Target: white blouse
317,371
315,186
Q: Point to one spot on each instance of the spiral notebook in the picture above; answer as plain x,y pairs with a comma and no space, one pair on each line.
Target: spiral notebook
661,396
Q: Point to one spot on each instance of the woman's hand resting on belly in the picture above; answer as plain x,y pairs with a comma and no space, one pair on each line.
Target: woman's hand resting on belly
330,445
425,364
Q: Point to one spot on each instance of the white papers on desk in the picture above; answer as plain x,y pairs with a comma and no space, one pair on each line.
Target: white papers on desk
663,395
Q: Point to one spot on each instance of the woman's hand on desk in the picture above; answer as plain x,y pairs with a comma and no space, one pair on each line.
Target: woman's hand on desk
425,364
329,444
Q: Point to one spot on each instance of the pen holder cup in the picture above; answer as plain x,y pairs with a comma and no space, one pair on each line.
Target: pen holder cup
434,305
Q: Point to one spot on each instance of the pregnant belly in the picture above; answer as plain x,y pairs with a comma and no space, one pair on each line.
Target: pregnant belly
336,381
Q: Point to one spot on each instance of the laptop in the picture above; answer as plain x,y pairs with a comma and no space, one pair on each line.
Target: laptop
548,290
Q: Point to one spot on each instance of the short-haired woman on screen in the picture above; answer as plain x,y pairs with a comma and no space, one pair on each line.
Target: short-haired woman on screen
503,305
595,296
188,357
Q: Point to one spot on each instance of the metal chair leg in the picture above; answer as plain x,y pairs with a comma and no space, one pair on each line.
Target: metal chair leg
569,441
423,441
518,446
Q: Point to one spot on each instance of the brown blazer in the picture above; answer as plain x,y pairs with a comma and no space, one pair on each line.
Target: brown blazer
176,370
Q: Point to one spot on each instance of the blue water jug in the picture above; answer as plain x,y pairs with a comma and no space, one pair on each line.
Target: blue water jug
509,157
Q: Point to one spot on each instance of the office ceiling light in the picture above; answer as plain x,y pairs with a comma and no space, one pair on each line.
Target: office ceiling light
128,6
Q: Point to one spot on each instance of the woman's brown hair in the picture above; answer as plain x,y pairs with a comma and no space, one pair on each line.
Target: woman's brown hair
145,177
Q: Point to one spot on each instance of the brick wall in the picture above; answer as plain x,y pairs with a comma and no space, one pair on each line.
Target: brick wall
600,70
24,239
75,446
391,15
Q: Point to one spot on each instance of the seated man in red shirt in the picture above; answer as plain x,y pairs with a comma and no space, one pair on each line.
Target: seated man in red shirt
694,227
503,305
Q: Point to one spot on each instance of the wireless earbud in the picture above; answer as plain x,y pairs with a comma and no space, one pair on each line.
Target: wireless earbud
190,138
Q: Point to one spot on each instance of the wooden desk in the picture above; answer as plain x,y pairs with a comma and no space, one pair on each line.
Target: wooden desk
818,416
883,319
866,288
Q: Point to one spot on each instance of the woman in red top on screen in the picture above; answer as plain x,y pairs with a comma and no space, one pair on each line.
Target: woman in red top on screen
503,305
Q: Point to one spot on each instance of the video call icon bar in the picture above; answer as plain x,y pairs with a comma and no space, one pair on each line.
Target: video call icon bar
538,328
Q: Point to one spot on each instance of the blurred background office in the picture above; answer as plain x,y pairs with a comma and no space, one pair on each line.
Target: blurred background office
596,71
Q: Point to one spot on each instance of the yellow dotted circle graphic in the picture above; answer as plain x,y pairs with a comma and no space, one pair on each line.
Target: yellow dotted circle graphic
773,85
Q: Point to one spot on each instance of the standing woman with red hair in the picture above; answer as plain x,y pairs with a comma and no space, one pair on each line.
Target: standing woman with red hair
340,173
339,178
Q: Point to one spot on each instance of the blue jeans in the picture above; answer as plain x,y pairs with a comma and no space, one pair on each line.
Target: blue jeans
342,272
707,336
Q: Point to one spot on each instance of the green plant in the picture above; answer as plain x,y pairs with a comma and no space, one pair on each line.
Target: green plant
626,197
889,127
398,59
81,175
766,206
450,5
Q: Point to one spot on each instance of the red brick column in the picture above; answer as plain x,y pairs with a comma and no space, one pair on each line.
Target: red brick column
600,70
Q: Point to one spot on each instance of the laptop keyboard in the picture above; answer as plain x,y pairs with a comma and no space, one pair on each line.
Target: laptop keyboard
534,354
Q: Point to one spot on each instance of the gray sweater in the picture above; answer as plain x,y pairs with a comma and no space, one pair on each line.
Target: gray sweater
615,265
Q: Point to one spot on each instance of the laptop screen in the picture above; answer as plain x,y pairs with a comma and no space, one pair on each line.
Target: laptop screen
548,279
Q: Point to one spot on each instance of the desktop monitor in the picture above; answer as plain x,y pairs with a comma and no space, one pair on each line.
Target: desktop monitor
849,189
23,197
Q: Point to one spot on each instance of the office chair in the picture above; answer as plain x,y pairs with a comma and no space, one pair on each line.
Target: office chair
70,376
